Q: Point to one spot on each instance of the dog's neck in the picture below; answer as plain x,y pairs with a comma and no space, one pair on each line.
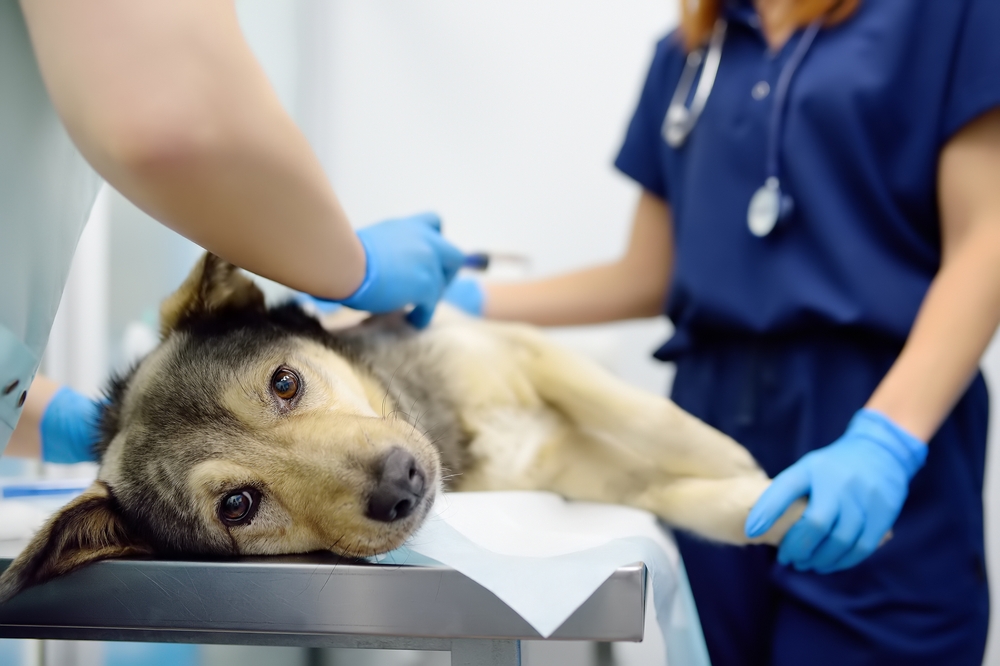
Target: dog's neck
413,388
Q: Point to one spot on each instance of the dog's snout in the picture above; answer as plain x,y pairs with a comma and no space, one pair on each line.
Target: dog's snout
399,488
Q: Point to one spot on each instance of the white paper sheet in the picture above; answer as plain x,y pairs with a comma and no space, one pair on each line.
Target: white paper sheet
544,556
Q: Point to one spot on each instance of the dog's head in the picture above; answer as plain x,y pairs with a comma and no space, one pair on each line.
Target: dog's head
246,432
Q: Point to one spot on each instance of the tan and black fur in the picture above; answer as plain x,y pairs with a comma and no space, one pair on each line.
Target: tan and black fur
465,404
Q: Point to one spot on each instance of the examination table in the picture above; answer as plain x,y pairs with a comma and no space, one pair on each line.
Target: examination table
405,602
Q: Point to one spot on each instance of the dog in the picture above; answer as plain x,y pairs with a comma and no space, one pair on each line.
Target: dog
256,431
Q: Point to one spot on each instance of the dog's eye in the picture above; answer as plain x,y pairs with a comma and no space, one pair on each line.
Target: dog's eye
239,506
285,383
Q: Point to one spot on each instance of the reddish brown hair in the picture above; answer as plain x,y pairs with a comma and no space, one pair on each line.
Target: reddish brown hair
699,16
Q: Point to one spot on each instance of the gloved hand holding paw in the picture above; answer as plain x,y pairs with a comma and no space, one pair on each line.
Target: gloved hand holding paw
856,488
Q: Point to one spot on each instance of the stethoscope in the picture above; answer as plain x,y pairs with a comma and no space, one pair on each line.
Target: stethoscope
768,205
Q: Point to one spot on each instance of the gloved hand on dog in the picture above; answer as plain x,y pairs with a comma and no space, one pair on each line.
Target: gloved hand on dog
69,428
466,294
408,263
856,488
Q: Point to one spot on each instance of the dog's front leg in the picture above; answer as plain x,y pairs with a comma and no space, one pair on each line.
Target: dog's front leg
638,422
706,482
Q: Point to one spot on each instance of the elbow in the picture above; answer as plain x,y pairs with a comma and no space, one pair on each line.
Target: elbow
143,144
156,151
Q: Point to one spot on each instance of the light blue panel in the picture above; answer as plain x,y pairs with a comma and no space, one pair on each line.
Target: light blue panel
14,652
150,654
10,466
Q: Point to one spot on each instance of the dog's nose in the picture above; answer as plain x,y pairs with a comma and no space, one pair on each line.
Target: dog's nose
399,489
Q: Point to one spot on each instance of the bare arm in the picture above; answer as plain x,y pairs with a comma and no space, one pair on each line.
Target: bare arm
167,102
26,441
962,308
634,286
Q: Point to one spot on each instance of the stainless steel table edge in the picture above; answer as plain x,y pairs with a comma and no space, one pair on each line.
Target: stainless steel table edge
228,638
300,601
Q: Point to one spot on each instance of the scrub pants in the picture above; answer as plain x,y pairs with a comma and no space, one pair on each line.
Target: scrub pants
921,598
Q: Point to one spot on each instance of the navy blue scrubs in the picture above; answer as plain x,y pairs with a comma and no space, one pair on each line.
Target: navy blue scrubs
781,339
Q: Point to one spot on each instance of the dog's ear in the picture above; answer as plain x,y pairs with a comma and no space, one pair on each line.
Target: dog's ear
213,285
88,529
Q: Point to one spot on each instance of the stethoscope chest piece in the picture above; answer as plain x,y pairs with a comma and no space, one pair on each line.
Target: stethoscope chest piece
677,126
767,207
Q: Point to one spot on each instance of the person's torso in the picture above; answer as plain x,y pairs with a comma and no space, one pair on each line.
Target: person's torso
46,192
864,122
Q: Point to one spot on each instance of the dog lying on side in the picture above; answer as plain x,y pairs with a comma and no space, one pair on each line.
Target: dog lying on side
255,431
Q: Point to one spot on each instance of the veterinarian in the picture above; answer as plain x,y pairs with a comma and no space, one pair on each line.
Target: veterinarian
166,102
824,231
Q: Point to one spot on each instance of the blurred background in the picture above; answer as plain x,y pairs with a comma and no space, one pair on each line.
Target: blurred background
503,117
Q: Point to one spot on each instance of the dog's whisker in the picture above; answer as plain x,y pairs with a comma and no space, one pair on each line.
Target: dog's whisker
417,422
388,386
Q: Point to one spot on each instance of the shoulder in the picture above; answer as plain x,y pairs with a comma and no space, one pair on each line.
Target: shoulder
667,62
933,21
669,49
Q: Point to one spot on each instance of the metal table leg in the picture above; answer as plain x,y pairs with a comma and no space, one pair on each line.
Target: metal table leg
485,653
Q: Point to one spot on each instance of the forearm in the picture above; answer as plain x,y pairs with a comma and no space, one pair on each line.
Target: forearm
167,102
962,308
634,286
258,204
604,293
955,324
26,440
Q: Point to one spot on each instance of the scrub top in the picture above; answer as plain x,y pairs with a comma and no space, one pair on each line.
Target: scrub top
867,113
46,193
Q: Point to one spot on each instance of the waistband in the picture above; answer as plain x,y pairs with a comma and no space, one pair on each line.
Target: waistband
687,341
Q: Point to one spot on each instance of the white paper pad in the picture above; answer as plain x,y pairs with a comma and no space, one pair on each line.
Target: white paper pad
544,556
20,520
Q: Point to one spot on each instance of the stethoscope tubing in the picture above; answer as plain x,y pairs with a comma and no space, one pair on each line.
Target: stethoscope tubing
769,204
777,120
681,118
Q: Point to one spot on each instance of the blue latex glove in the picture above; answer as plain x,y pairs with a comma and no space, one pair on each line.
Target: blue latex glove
315,306
466,294
408,263
69,428
856,488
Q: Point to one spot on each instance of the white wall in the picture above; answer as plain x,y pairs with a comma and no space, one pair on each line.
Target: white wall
504,117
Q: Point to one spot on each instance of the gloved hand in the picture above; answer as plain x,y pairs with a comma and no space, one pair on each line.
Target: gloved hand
466,294
408,263
316,307
69,428
856,488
